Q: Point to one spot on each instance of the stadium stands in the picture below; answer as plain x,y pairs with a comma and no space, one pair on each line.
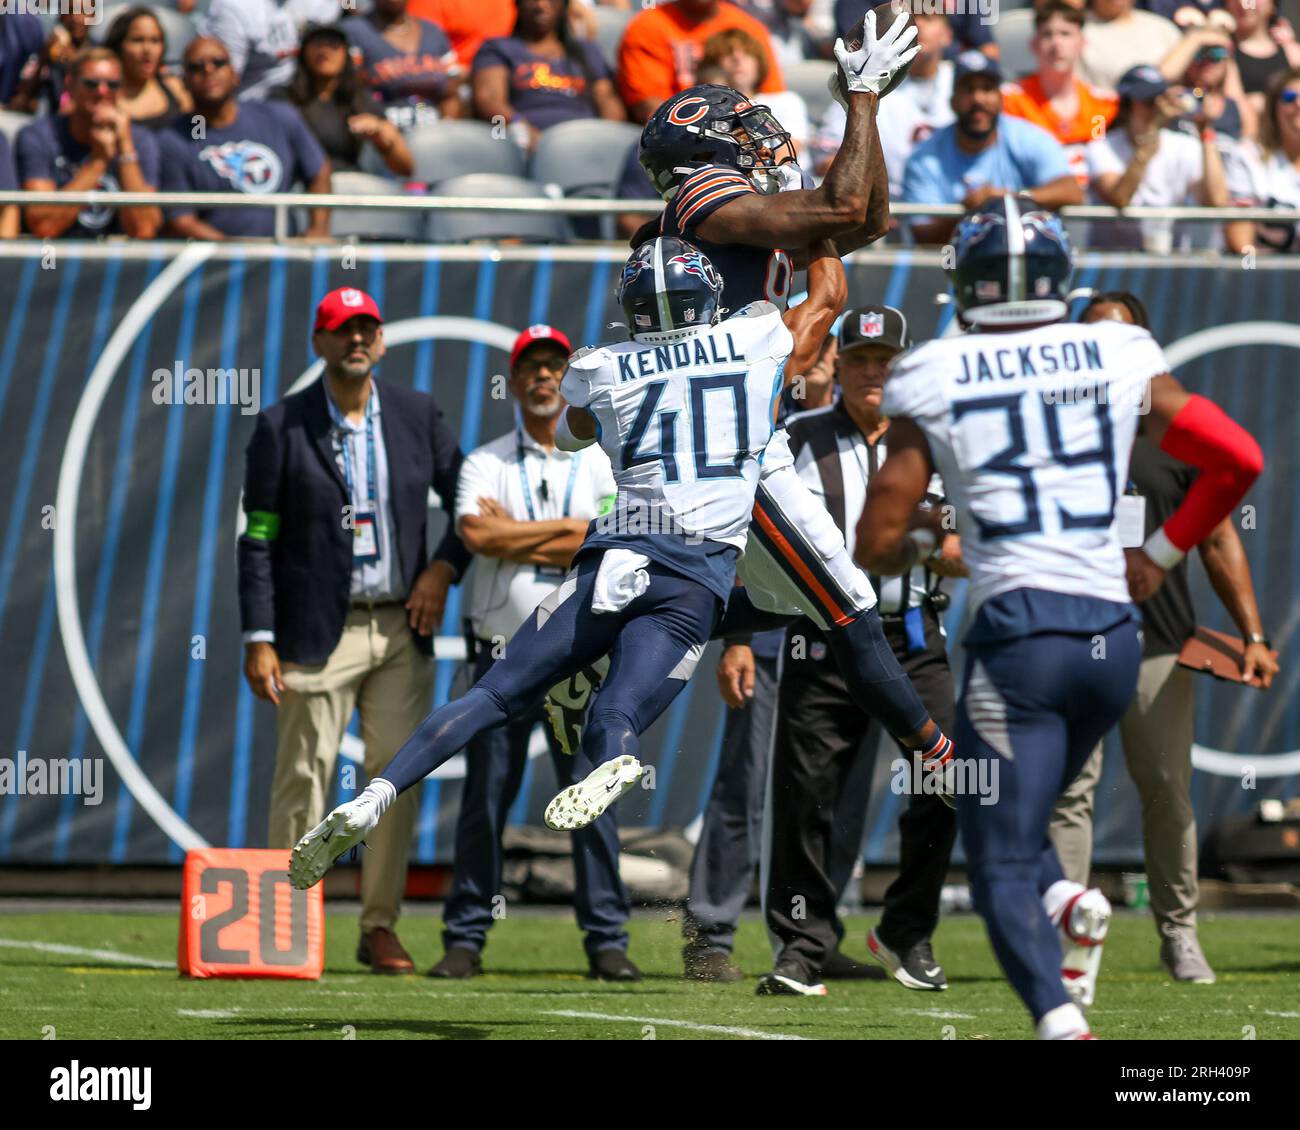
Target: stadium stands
462,227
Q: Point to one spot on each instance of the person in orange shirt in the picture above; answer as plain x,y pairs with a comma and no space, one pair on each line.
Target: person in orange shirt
663,46
468,23
1054,97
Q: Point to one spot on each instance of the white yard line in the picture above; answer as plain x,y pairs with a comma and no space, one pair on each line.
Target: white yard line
82,951
208,1013
939,1014
720,1029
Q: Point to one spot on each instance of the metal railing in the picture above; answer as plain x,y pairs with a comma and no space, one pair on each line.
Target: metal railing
284,202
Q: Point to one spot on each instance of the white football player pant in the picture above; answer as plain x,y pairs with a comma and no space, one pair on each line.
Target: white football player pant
795,559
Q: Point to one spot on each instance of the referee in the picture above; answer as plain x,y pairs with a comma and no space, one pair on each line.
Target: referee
819,781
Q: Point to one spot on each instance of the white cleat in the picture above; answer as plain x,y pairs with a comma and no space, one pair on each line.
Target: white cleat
333,837
581,804
1084,921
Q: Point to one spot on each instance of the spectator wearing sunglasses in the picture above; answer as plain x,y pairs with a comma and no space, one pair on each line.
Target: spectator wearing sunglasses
1203,62
150,97
245,146
94,146
1266,173
327,91
1266,46
262,37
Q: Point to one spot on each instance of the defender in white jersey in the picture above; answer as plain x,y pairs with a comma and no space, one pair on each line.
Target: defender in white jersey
1031,422
685,412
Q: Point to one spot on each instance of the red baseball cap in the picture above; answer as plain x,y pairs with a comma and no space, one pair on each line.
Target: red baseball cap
532,335
340,305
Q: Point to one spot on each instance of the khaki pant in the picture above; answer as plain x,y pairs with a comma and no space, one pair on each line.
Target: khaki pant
1156,732
377,669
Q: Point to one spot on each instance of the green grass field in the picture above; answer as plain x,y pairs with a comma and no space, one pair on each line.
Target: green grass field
97,988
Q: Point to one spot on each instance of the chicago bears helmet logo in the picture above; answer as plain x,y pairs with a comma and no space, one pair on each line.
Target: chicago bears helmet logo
688,111
246,165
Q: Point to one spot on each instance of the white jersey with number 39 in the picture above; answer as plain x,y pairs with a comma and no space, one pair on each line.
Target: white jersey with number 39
685,422
1032,432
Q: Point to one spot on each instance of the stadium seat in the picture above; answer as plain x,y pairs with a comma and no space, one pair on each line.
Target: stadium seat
459,227
610,23
1013,31
11,123
178,28
808,80
373,223
457,148
584,159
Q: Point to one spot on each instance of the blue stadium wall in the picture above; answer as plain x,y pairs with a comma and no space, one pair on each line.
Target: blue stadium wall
146,562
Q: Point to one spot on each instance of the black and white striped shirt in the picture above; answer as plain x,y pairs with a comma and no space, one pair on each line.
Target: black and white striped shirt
834,459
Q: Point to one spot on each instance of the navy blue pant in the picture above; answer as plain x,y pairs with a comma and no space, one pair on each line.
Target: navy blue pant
646,642
494,768
1031,710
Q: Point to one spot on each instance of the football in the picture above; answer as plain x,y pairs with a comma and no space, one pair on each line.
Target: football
886,14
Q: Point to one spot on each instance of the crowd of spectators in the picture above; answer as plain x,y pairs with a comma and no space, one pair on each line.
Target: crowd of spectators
1117,102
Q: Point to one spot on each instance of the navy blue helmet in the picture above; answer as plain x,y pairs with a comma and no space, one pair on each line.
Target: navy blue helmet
669,284
710,125
1012,265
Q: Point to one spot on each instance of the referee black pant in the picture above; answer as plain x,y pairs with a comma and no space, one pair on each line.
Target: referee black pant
819,739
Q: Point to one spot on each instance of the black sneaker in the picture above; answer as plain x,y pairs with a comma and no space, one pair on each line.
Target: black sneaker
613,965
458,964
710,965
789,980
838,966
913,967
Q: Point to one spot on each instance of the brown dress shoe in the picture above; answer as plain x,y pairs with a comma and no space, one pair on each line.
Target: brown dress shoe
380,949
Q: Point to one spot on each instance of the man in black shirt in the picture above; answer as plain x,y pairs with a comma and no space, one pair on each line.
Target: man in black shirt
1157,730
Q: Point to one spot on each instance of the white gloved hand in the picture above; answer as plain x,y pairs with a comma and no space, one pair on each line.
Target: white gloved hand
872,67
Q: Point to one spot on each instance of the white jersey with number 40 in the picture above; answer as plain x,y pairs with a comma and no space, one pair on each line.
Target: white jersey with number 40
1032,433
684,422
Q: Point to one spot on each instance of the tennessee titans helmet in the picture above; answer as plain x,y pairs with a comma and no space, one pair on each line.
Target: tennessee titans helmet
669,285
1012,265
710,124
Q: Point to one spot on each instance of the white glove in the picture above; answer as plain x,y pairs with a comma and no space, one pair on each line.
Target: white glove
872,67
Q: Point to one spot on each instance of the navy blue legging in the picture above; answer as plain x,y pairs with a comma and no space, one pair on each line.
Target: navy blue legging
645,641
1032,708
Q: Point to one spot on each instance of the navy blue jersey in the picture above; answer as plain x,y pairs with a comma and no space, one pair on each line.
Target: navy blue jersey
749,274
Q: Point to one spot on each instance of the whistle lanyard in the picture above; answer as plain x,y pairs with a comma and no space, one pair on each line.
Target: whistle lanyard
372,485
521,453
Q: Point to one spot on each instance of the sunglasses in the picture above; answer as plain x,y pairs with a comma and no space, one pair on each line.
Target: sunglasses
97,83
202,66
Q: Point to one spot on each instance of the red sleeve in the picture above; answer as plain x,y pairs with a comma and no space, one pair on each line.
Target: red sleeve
1229,459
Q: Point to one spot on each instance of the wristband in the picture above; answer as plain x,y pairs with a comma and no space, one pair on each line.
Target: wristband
128,158
1161,550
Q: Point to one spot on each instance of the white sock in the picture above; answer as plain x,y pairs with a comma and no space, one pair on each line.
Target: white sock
1064,1022
379,794
1057,895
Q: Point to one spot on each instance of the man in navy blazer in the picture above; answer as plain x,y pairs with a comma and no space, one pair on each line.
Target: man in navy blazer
338,599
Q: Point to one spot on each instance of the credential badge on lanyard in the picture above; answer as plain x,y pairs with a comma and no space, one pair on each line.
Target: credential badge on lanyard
365,513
